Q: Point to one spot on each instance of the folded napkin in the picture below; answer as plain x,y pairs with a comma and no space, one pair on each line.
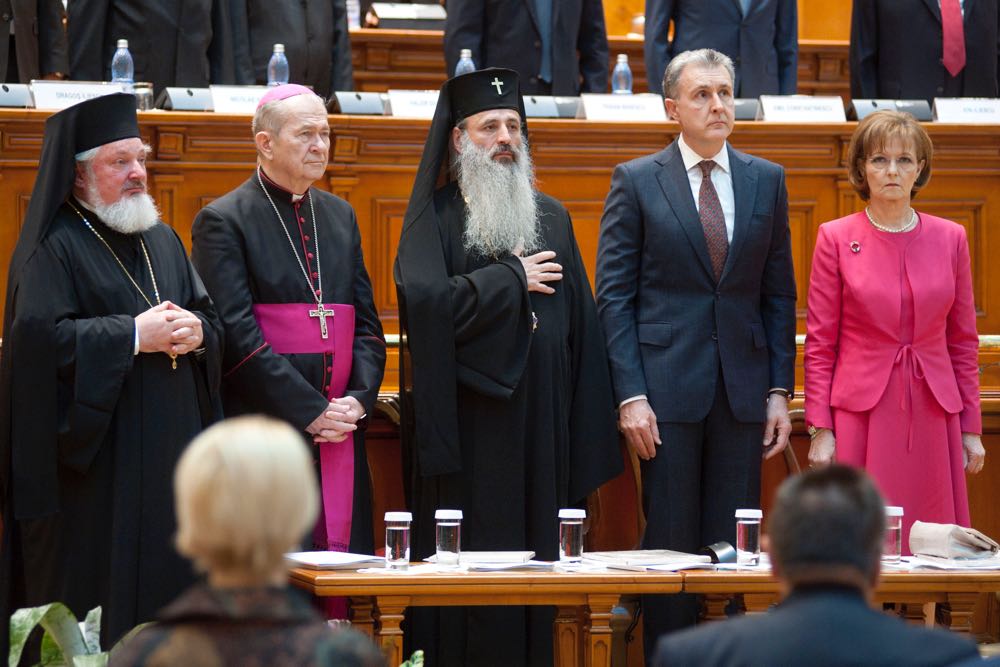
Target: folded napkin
946,540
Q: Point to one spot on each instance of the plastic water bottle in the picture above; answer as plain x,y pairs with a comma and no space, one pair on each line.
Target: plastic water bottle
122,67
277,67
353,13
465,64
621,77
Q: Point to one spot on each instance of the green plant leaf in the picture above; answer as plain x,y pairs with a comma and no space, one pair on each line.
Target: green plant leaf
22,622
60,622
50,654
91,628
92,660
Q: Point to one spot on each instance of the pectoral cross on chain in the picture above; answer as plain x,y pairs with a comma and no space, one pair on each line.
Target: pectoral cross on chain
322,313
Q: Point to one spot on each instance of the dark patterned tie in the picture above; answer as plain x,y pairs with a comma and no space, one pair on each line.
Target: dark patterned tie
712,219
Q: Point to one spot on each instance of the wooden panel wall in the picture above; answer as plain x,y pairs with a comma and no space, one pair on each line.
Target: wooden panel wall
385,59
824,19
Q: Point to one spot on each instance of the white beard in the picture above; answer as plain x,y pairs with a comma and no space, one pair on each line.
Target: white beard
500,199
129,215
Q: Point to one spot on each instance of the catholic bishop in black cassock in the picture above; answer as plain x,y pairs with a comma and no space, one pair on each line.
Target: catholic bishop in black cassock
283,262
508,409
110,365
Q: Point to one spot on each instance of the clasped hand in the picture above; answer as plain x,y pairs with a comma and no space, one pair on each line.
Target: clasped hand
168,328
337,421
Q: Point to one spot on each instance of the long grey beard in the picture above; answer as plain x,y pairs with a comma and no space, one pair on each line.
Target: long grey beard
500,199
129,215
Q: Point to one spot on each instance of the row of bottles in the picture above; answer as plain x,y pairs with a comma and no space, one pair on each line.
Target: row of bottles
123,69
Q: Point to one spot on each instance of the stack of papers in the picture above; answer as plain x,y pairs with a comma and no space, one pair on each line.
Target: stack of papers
933,562
330,560
498,560
641,560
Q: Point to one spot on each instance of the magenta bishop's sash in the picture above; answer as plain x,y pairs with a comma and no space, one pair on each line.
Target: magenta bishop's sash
290,329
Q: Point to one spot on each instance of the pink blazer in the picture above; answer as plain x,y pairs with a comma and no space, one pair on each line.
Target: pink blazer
852,336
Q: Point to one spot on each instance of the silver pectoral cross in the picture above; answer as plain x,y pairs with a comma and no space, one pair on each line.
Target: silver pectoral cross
322,313
498,83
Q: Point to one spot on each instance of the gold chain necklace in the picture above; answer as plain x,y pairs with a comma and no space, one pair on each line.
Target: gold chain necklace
892,230
149,264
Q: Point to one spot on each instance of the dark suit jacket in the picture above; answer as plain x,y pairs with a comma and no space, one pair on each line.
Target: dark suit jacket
173,42
668,325
38,35
504,33
315,36
896,50
764,45
815,627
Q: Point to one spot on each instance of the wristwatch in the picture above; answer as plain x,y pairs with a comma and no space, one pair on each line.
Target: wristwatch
812,431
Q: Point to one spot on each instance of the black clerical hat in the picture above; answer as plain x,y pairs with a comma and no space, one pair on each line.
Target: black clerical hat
98,121
482,90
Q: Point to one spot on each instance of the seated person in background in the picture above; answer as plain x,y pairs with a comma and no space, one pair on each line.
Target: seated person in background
245,494
825,533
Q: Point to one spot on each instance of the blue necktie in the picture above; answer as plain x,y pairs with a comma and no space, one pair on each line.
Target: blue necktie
543,9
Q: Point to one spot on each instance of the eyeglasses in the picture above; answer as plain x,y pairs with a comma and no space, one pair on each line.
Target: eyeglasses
904,163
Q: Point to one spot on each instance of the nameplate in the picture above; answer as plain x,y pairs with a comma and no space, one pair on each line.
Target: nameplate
236,99
412,103
967,110
640,107
802,109
62,94
355,103
15,95
860,108
409,16
185,99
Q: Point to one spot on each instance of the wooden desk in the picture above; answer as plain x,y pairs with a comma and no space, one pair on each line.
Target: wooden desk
933,597
582,632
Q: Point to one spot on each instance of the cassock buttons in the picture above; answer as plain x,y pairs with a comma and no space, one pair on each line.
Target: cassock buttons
309,255
305,236
302,219
326,388
315,275
329,369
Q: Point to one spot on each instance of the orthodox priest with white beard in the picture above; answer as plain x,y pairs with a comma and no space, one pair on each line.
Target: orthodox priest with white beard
110,365
508,411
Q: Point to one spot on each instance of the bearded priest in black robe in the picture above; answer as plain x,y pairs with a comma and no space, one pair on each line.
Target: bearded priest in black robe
111,359
283,262
509,413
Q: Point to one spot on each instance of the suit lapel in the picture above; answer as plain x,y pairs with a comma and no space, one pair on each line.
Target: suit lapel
745,196
935,8
673,180
533,13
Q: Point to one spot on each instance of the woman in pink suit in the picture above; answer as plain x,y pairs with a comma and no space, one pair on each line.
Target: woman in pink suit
891,365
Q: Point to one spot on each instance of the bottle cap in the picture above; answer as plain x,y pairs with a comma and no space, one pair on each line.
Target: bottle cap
749,514
398,516
279,48
465,53
448,514
122,43
623,57
572,514
891,510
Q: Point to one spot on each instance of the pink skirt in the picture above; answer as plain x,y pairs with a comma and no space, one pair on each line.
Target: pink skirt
913,450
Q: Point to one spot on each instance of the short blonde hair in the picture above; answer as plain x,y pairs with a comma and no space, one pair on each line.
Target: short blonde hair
245,493
871,136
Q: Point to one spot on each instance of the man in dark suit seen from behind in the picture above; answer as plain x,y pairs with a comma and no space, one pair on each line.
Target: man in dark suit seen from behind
760,36
825,540
558,47
922,49
696,294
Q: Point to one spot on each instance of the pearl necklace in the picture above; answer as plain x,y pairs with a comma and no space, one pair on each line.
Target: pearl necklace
892,230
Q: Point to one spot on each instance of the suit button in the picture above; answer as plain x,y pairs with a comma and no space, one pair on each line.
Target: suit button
736,60
718,295
538,44
5,17
533,79
940,89
715,336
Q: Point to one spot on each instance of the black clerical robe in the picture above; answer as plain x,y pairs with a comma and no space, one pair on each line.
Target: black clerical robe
245,257
536,425
172,42
90,518
315,36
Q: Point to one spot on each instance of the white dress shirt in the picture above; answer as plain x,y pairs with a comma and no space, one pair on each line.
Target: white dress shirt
722,179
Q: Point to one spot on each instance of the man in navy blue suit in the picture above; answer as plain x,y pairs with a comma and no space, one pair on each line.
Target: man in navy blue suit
825,535
761,37
696,294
